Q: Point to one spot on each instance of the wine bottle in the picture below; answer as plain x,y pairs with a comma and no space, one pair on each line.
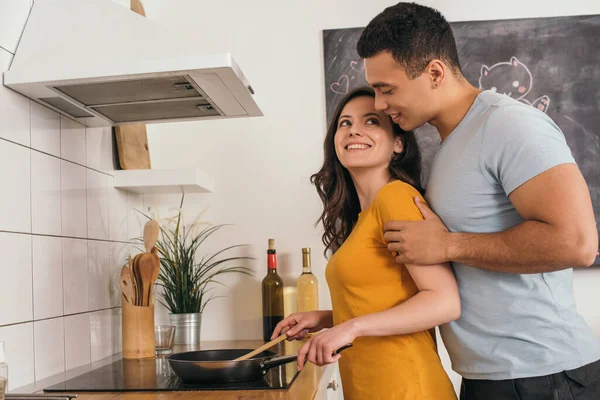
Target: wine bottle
272,294
307,286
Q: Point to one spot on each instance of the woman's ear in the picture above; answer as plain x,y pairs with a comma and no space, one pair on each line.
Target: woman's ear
398,145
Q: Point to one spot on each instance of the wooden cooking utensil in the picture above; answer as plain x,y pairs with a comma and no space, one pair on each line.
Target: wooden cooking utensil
133,283
151,231
126,284
155,272
146,272
262,348
135,274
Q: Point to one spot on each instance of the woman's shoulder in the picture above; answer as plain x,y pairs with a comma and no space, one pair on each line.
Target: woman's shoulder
396,201
396,191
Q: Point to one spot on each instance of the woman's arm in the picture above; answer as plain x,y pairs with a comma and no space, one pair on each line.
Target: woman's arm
436,303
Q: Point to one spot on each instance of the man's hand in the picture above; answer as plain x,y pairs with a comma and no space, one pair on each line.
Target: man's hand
418,242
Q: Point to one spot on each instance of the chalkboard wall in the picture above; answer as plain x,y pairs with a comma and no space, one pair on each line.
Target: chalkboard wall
556,61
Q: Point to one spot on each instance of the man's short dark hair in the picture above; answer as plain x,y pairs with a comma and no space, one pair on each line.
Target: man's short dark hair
414,35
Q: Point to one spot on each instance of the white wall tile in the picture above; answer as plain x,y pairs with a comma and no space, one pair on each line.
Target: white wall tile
99,148
16,272
98,200
77,340
45,129
103,337
14,108
73,200
99,269
18,350
136,220
49,337
72,140
12,21
15,201
118,223
45,194
75,276
47,277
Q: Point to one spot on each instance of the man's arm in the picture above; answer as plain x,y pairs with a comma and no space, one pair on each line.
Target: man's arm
559,231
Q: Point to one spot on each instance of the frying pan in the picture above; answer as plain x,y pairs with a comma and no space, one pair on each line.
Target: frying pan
218,365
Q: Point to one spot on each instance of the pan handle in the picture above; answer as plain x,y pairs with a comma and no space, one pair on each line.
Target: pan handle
277,361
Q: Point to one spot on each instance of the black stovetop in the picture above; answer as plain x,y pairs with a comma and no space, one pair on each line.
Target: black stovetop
157,375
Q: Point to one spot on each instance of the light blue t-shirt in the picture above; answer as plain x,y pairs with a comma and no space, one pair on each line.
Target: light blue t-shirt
512,325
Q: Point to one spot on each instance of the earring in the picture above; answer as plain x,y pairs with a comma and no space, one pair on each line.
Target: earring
436,84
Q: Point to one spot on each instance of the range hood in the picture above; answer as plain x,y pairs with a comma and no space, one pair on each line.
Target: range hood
101,64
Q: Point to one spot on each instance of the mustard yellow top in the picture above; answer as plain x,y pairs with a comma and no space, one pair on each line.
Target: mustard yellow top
364,278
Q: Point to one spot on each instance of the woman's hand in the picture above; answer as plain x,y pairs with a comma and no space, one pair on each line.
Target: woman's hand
321,348
298,325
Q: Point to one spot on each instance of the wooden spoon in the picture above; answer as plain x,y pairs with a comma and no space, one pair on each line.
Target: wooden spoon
151,231
262,348
146,272
155,273
126,284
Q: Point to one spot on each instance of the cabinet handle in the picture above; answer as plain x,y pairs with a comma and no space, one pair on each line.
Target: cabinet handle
333,385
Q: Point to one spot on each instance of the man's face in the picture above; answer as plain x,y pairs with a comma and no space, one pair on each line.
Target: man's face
408,101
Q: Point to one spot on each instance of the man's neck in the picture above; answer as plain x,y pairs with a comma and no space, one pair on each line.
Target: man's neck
459,99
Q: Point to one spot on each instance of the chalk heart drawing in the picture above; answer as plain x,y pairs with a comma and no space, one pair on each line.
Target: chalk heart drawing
358,65
341,86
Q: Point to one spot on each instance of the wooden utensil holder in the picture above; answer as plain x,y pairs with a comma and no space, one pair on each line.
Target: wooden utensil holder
138,331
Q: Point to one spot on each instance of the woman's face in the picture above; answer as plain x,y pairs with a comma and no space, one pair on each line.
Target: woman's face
364,137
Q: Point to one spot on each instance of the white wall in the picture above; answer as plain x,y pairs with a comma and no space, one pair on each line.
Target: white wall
262,165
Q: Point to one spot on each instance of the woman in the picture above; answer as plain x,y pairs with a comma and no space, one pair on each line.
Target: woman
371,175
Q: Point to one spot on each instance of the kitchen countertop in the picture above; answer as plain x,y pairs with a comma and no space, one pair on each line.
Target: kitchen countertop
304,386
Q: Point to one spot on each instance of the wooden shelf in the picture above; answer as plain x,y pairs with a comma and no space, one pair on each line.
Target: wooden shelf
164,181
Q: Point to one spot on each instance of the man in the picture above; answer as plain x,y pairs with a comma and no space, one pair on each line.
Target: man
516,212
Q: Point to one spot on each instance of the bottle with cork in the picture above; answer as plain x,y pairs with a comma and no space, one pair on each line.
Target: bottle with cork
272,294
307,286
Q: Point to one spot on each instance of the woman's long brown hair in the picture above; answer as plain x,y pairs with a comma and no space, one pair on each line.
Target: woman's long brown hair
336,188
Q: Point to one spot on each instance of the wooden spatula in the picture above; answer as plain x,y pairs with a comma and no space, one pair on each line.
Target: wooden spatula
126,284
262,348
151,231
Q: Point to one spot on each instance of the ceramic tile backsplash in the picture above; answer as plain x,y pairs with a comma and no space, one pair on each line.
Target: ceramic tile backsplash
72,141
49,339
77,340
18,351
73,199
98,197
118,223
64,233
16,268
47,277
75,275
45,129
105,337
15,201
99,149
45,194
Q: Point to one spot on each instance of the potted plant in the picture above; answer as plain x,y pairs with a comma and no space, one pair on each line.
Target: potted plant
186,276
